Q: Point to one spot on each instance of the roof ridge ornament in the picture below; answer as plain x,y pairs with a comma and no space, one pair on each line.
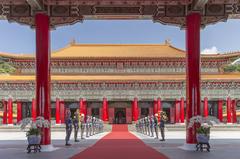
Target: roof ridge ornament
168,42
73,41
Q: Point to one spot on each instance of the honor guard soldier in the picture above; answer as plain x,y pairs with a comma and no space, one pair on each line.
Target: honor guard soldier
151,125
76,125
88,126
148,125
163,119
82,125
68,123
156,125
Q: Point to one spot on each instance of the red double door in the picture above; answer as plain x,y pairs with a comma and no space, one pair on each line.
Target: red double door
111,112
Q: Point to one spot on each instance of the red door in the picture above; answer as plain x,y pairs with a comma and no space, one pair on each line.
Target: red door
111,115
129,115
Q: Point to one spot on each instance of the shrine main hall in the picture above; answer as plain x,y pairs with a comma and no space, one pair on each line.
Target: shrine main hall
120,83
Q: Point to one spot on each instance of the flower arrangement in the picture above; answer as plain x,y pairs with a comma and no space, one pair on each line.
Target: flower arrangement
203,125
34,126
206,121
164,116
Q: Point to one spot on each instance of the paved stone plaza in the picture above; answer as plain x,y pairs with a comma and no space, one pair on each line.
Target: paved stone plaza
225,144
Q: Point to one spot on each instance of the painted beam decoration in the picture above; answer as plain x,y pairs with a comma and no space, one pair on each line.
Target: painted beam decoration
65,12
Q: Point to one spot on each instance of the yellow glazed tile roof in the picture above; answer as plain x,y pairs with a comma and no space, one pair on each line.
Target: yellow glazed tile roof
170,77
117,51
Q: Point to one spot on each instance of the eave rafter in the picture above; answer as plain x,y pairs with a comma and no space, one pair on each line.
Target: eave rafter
171,12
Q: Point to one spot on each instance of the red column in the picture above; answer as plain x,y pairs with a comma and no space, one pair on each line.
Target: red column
4,112
81,109
85,107
155,106
62,112
57,111
43,101
34,109
205,107
182,110
135,108
19,111
10,111
104,109
220,110
234,113
229,110
159,105
193,23
177,111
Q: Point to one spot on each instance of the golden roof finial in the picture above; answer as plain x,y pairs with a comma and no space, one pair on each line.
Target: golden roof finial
73,41
168,41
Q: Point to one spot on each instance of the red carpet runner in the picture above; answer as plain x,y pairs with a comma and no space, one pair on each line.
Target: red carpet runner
119,144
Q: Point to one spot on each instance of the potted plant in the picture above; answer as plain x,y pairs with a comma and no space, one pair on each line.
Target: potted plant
202,125
33,129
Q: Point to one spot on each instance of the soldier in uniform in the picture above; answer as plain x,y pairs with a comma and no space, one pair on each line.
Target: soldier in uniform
82,125
90,126
151,125
148,126
68,123
76,125
145,125
87,126
163,119
156,125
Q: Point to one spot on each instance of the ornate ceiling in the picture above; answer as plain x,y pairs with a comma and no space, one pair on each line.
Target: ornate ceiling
172,12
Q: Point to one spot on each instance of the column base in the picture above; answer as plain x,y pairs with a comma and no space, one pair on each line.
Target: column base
188,147
179,123
48,148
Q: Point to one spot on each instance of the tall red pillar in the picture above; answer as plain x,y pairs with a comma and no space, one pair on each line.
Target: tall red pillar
34,109
19,111
85,107
62,112
4,112
155,107
229,110
234,113
43,72
193,23
104,109
205,107
159,105
81,109
182,110
10,111
220,110
135,108
177,111
57,111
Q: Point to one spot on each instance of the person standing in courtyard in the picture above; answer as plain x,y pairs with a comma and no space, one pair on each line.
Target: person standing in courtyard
76,125
68,123
163,119
82,124
156,125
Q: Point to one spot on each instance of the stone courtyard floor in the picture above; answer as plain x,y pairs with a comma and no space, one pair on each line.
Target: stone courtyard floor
225,145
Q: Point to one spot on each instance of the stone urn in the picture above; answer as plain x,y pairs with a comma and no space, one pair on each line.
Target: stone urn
203,138
34,139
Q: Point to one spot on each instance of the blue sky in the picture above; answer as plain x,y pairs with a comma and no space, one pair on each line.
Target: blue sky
221,37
